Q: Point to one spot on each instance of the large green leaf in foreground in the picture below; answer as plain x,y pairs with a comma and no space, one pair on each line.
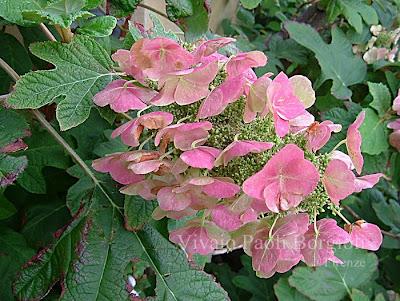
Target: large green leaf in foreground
337,60
82,69
91,256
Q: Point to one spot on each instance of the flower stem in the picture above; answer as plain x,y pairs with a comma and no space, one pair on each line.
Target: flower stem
47,32
272,227
341,216
65,33
338,145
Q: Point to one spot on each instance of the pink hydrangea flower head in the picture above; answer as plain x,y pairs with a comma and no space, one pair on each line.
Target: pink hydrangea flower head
283,103
318,246
244,61
201,157
284,181
210,47
216,102
280,251
338,180
130,131
353,142
187,86
318,134
117,166
123,96
184,134
241,148
159,56
365,235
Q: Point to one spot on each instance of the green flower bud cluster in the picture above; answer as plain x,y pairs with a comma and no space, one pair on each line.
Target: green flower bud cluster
219,79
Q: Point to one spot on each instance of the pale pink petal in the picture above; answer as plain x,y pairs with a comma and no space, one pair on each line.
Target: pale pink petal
394,125
338,181
243,61
241,148
302,88
195,240
342,157
353,142
123,96
201,157
396,103
130,132
367,181
366,236
257,94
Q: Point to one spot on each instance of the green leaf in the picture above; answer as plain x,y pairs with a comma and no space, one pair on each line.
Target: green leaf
250,4
98,27
42,151
158,29
333,10
14,252
61,12
16,56
357,10
47,267
337,60
196,25
382,99
137,212
11,10
82,70
374,134
284,292
12,126
43,220
7,208
332,282
357,295
177,9
389,213
122,8
11,168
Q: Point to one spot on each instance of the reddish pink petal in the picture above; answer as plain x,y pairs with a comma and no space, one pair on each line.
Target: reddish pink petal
394,139
200,157
211,46
338,181
241,148
123,96
117,168
367,181
156,120
353,142
318,134
366,236
130,133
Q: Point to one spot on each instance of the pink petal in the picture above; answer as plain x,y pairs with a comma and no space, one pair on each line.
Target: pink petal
172,201
318,134
225,218
123,96
394,139
156,120
243,61
216,102
302,88
396,103
195,240
117,168
221,188
211,46
241,148
366,182
200,157
353,142
338,181
394,125
130,133
342,157
366,236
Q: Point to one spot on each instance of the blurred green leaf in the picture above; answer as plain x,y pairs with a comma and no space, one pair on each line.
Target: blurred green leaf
374,134
98,27
382,100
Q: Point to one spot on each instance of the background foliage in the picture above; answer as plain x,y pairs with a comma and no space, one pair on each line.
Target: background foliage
66,233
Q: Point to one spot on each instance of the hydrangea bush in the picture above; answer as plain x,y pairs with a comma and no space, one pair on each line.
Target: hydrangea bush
237,158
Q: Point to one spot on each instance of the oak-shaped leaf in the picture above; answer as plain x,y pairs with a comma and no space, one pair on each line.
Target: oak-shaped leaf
82,69
337,60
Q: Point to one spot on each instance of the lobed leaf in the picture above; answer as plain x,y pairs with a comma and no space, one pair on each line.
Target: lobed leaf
82,69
